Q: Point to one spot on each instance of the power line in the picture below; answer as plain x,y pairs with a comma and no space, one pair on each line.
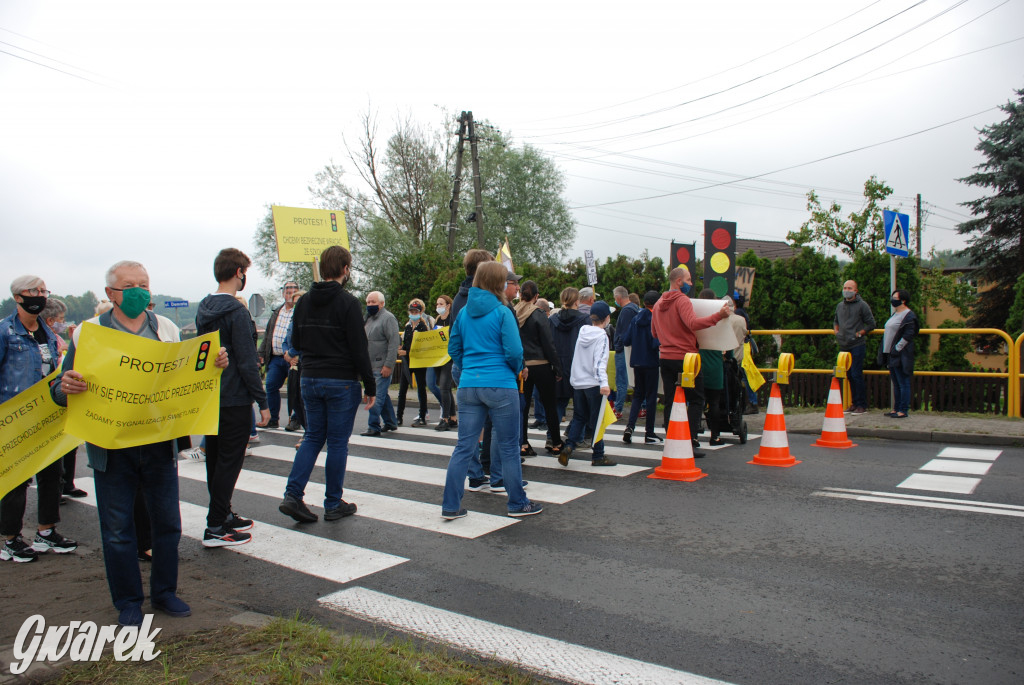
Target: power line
47,66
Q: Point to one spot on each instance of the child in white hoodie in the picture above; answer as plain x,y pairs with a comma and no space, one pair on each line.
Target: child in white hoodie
589,381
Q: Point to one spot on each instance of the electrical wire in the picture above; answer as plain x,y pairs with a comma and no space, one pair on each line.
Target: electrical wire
47,66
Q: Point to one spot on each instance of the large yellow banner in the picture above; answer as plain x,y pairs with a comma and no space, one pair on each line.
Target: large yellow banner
31,434
302,234
143,391
429,348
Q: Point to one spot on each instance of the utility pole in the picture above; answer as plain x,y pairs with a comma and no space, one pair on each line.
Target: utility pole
477,189
458,183
919,227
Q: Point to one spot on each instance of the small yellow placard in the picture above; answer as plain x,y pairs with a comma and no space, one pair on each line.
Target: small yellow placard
302,234
143,391
32,434
429,348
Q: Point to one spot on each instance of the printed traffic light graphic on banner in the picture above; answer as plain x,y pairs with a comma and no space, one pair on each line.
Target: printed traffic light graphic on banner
720,256
684,254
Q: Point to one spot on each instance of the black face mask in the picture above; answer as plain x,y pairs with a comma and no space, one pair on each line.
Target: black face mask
33,304
895,302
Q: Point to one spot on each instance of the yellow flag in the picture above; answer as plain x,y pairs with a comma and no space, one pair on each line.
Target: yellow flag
754,377
429,348
604,419
32,434
143,391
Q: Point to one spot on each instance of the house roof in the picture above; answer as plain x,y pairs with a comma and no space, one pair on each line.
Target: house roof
766,249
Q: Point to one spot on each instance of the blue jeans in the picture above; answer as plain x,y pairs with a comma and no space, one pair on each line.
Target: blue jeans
856,375
154,468
432,383
586,405
900,389
331,406
475,405
382,408
621,380
277,374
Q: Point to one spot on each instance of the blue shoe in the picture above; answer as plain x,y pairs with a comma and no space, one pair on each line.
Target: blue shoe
452,515
529,510
172,606
130,616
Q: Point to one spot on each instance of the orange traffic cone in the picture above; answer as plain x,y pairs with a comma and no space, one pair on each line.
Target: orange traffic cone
833,432
677,461
774,449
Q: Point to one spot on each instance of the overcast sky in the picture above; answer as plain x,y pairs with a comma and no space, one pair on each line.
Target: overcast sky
159,131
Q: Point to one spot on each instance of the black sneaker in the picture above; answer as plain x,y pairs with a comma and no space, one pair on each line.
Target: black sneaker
603,461
529,510
54,542
341,511
477,485
716,442
225,537
442,425
627,435
371,433
293,426
452,515
499,486
16,549
563,456
419,422
653,439
391,427
237,523
272,424
297,509
76,492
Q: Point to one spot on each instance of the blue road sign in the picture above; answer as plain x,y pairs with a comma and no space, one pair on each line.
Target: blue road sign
897,233
173,304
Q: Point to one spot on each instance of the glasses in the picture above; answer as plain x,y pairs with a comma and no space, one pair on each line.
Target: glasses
129,286
36,292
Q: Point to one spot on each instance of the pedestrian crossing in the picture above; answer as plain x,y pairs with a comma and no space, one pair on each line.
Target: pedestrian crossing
959,460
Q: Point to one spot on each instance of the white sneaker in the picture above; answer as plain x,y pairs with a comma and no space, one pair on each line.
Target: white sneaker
196,453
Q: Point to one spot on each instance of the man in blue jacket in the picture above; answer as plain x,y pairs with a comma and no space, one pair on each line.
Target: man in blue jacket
627,310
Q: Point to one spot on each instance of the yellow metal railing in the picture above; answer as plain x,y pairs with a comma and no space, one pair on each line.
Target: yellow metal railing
1012,373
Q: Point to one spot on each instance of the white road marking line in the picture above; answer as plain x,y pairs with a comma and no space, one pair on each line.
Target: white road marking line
336,561
934,483
426,475
974,468
443,450
970,453
903,495
536,653
379,507
894,499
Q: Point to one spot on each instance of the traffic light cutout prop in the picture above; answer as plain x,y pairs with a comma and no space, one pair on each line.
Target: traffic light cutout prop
720,256
685,255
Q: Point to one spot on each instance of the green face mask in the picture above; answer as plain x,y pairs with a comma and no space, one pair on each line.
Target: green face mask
133,301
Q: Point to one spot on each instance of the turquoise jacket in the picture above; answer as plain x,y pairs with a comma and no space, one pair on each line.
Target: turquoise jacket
485,344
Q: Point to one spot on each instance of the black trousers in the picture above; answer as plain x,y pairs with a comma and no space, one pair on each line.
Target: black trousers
443,375
12,507
68,463
645,389
225,453
295,395
670,370
421,391
543,377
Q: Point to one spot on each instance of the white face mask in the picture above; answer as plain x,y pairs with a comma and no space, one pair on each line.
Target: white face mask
441,311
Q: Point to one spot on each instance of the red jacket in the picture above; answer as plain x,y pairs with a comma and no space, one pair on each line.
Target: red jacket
674,324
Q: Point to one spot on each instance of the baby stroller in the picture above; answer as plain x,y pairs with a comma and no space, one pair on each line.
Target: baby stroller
730,417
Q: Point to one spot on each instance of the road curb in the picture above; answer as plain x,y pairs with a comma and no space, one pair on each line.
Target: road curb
928,436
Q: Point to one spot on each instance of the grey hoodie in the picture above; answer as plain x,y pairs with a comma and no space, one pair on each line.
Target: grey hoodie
851,316
383,338
240,384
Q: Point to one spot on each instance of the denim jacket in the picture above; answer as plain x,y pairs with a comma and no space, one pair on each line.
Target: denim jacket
21,364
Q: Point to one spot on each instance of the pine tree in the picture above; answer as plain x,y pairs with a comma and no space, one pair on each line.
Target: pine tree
996,244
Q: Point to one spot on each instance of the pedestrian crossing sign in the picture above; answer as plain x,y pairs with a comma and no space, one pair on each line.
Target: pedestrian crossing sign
897,233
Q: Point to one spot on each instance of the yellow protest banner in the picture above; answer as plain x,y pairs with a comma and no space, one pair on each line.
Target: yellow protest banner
611,372
754,378
429,348
143,391
32,434
302,234
604,419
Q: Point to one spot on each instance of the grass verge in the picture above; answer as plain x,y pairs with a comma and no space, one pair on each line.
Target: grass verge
292,651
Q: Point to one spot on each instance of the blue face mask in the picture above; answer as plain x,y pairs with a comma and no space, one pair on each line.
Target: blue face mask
414,317
685,288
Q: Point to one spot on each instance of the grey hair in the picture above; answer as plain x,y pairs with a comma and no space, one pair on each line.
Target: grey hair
379,294
123,264
587,293
25,283
54,307
620,291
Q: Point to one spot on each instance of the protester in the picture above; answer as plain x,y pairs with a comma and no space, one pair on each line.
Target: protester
383,340
743,319
644,360
587,297
627,310
418,321
298,414
565,329
712,364
540,418
470,262
488,448
544,370
240,386
272,352
590,384
29,353
897,351
675,325
119,473
487,352
852,323
443,373
330,336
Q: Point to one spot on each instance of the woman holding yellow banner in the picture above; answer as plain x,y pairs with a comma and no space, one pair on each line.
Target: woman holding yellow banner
28,353
418,321
443,373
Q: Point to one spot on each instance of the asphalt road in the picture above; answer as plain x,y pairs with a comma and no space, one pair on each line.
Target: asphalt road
751,575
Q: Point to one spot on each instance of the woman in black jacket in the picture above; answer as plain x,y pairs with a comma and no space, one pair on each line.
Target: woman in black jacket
542,363
897,351
443,374
418,321
565,329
